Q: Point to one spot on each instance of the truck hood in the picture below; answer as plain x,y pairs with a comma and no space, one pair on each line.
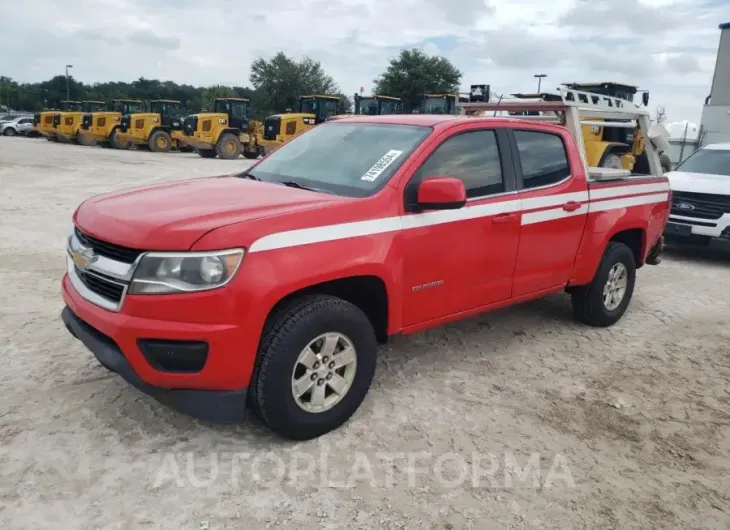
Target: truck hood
173,216
699,182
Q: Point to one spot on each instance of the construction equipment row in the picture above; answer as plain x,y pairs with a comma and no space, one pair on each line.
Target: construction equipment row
227,132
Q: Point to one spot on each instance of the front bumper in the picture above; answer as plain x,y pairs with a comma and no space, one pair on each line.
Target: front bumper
695,231
222,406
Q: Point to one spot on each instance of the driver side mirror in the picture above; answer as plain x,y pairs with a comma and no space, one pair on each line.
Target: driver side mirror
441,193
645,98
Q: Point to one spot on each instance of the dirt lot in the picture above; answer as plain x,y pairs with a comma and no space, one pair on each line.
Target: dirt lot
518,419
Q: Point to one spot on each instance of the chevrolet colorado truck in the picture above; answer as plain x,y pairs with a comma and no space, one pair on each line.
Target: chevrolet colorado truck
271,289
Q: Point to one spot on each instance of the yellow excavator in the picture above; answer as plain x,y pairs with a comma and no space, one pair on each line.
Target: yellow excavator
102,126
610,147
160,129
442,103
69,122
313,109
226,132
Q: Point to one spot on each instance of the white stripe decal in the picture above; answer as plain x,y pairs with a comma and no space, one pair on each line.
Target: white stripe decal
602,206
320,234
551,215
606,193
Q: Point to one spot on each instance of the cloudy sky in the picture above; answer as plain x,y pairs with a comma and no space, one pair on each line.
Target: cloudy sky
666,46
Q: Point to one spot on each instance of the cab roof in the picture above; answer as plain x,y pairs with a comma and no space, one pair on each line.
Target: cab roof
164,101
93,101
437,121
380,96
232,99
125,100
312,96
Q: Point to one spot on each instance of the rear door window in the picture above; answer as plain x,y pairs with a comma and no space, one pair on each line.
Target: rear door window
542,157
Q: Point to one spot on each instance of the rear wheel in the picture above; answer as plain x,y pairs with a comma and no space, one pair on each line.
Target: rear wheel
160,142
314,367
9,131
604,301
206,153
228,146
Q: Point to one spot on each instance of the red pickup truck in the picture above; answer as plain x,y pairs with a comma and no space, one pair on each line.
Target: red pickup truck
271,289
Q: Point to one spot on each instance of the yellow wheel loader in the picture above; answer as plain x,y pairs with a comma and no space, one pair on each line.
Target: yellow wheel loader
280,128
102,127
160,129
226,132
70,121
50,120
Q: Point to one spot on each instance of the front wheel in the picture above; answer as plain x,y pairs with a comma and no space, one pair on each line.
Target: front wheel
315,365
604,301
160,142
228,146
9,131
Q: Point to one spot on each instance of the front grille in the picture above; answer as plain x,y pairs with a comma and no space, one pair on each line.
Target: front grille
139,123
108,250
272,127
101,122
191,124
101,285
700,205
124,125
69,120
86,121
48,120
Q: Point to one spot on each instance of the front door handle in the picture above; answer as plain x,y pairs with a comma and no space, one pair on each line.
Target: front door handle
504,218
571,206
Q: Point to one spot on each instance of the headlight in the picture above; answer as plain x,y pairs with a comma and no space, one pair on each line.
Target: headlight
184,272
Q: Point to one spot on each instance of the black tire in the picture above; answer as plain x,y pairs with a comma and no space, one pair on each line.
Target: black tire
286,334
160,142
206,153
9,131
116,142
252,155
228,146
588,303
82,140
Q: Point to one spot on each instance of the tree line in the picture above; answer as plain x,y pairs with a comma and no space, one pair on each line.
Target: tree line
274,86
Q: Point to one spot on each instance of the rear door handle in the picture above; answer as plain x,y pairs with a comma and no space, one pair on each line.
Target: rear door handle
504,218
571,206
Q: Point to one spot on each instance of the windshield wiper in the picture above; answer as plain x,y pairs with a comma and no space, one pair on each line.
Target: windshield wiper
249,176
293,184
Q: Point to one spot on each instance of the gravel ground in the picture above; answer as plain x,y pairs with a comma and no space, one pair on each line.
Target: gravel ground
516,419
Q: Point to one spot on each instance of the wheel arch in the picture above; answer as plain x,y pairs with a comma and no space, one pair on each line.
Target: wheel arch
366,291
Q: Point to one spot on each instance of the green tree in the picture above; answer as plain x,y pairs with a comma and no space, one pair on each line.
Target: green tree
413,73
281,79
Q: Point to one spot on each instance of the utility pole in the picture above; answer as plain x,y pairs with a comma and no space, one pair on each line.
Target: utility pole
539,80
68,89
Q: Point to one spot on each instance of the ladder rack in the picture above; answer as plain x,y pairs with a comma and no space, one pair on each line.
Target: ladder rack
574,109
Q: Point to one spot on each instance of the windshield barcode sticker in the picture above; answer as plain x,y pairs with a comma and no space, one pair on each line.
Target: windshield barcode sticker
381,165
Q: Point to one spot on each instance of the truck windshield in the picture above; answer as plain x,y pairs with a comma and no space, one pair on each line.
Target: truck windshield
165,108
350,159
708,162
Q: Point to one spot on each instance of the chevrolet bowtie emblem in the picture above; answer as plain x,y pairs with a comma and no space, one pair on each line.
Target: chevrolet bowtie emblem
83,257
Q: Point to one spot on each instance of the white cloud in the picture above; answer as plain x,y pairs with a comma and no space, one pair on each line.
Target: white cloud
665,46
